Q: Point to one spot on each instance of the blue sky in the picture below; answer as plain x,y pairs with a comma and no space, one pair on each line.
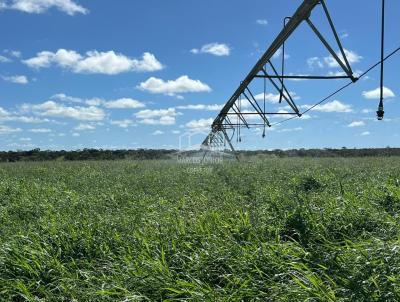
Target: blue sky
140,74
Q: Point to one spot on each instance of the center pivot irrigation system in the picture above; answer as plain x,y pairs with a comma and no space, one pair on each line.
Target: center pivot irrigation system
232,118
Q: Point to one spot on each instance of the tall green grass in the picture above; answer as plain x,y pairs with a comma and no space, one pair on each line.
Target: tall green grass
271,230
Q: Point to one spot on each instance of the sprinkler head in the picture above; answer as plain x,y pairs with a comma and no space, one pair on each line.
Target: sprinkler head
380,113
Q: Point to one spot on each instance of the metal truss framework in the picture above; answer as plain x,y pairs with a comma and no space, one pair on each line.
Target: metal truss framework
224,128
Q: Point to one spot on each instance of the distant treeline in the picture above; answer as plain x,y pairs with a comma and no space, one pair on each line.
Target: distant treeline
152,154
85,154
344,152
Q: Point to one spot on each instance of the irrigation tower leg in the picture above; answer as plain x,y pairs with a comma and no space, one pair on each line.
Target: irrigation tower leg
231,146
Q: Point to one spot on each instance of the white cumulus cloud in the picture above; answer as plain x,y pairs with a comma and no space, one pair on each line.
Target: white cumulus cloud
94,62
334,106
330,62
6,116
356,124
314,62
13,53
199,125
53,109
214,107
66,98
278,54
40,6
376,93
351,56
262,22
216,49
8,130
85,127
124,103
17,79
148,113
4,59
291,129
182,84
164,121
344,34
3,112
40,130
270,98
157,117
158,132
122,123
367,110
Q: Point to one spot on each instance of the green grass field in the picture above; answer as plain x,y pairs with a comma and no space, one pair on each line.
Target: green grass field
270,230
